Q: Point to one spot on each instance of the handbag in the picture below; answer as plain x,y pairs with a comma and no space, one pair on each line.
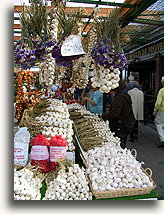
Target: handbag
128,123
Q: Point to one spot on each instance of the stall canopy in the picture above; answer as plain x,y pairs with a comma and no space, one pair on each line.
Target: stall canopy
142,20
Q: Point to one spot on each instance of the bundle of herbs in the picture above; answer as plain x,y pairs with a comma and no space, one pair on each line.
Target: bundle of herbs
34,22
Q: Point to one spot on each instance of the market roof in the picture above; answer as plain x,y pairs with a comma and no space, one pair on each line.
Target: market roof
142,20
145,27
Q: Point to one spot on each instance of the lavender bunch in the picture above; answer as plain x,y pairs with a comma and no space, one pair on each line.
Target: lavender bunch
27,57
105,55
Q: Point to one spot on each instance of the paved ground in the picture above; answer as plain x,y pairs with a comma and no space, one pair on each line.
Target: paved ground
149,153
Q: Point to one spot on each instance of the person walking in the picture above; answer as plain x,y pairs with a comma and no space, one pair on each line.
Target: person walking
95,101
120,108
159,113
137,97
129,84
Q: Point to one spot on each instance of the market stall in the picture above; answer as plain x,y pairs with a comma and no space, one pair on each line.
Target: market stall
98,168
61,150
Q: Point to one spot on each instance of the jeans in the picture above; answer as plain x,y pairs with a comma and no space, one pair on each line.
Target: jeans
159,123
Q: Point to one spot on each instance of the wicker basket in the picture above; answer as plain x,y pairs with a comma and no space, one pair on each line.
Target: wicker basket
124,192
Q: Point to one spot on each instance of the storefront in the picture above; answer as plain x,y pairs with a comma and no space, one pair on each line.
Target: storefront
145,63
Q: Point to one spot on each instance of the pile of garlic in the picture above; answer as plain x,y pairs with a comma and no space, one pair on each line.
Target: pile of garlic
105,78
57,122
98,131
26,185
111,168
103,130
69,186
76,106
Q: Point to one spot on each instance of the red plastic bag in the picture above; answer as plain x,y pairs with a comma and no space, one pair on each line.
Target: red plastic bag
40,153
40,140
57,150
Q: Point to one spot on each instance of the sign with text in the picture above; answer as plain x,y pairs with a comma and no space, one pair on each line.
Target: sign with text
72,46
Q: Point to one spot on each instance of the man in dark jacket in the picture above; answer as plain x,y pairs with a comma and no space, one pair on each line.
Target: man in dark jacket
120,108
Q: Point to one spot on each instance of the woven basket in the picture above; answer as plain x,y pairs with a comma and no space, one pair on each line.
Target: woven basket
124,192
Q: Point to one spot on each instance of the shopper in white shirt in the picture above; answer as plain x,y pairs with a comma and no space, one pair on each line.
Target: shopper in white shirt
137,98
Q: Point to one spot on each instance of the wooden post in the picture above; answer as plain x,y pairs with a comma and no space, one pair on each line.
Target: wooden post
158,72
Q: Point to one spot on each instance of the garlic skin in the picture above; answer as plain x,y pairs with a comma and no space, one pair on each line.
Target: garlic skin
69,186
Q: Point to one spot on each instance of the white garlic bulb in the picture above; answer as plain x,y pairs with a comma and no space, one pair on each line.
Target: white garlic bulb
105,78
69,186
111,168
26,185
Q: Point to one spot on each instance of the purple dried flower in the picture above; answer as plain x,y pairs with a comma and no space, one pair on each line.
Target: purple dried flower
105,56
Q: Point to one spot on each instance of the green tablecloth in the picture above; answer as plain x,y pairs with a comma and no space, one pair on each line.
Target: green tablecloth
153,194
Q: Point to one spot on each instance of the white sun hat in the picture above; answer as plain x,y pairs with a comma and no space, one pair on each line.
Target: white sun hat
131,78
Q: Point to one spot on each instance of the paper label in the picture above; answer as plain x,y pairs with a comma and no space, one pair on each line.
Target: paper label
72,46
20,153
39,153
57,152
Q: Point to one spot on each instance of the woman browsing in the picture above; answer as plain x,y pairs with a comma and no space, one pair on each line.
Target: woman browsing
95,101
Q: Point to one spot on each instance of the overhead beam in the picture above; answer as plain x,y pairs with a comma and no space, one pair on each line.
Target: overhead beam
88,10
151,14
123,12
104,3
17,26
140,8
17,37
148,21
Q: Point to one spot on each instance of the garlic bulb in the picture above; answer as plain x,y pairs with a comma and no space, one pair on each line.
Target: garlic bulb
26,185
56,122
47,70
69,186
80,71
111,168
105,78
53,23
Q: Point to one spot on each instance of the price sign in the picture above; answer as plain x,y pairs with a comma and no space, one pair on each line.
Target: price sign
72,46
